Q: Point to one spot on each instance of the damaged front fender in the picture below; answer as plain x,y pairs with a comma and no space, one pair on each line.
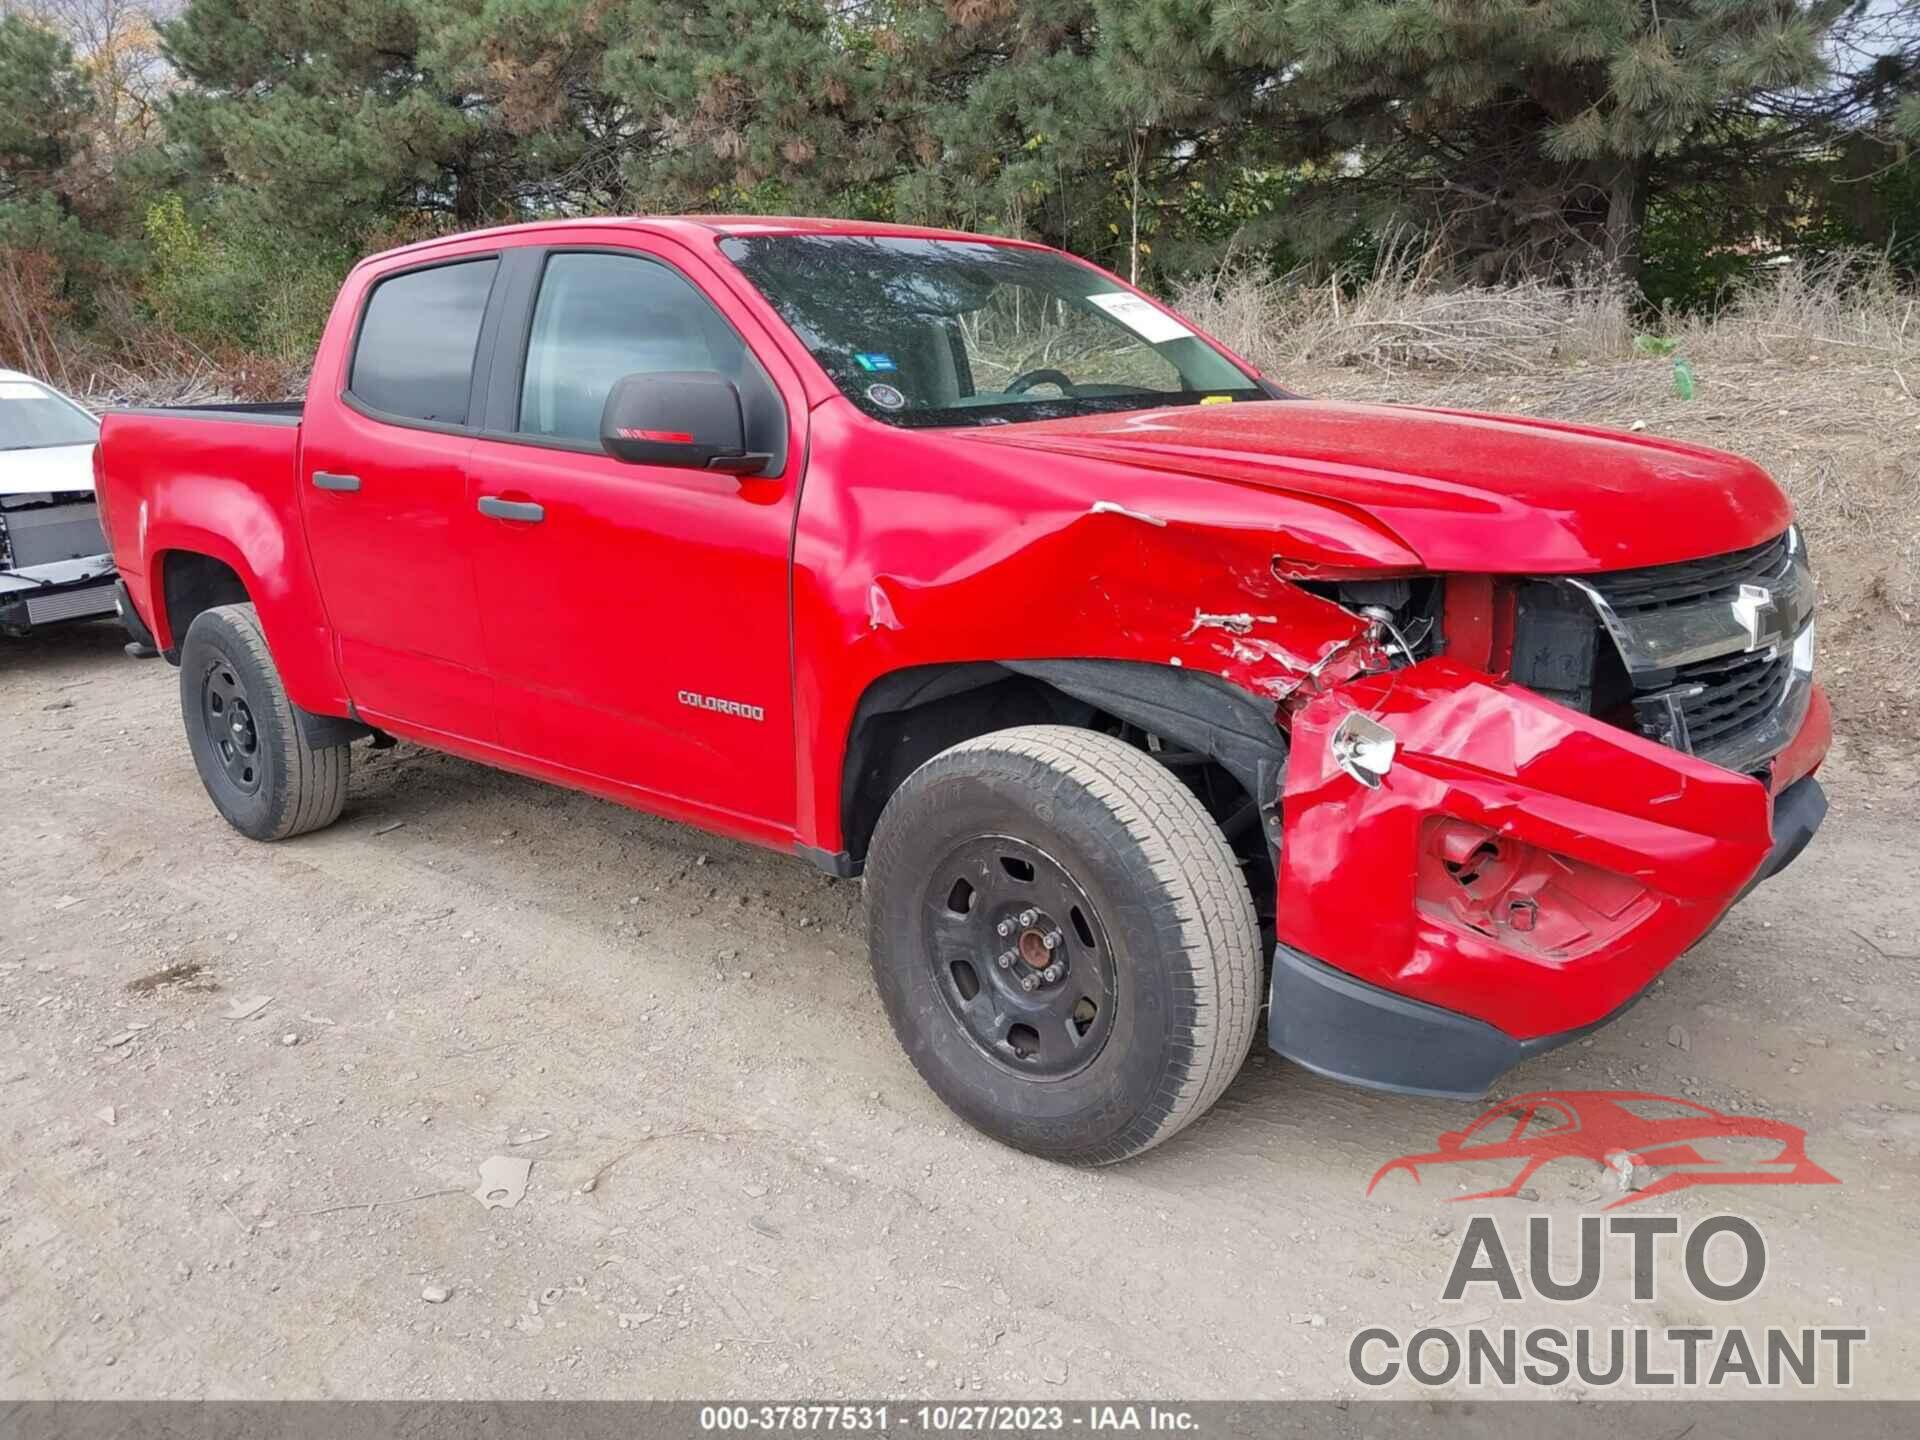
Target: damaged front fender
1181,586
1519,863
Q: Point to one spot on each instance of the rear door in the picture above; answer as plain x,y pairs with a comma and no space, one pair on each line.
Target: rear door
383,480
636,615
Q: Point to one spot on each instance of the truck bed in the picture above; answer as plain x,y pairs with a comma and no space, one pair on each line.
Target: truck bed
212,479
272,412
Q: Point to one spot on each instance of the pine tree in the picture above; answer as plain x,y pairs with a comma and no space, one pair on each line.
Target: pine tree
335,115
1532,132
44,100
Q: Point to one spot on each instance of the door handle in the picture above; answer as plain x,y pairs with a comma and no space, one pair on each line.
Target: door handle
525,511
345,483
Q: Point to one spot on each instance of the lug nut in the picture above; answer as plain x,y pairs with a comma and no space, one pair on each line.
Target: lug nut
1051,973
1004,959
1026,982
1005,928
1052,940
1027,917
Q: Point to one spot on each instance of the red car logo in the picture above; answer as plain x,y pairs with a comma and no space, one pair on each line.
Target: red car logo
1612,1128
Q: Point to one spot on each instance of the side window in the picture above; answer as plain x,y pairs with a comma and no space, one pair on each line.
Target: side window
417,341
601,317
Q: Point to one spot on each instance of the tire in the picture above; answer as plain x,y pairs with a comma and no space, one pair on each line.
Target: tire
247,744
1158,938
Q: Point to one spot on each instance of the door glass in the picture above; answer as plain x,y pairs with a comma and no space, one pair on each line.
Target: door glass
602,317
417,340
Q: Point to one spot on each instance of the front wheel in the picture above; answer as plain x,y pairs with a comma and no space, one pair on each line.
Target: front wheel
252,755
1063,941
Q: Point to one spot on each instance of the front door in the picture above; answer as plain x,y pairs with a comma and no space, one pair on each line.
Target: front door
383,482
635,616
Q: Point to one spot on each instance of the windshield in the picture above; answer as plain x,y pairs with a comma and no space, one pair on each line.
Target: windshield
950,332
33,417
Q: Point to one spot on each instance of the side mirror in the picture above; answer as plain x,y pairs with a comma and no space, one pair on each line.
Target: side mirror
688,418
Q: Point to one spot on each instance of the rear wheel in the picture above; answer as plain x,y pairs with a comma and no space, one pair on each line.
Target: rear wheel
247,744
1063,941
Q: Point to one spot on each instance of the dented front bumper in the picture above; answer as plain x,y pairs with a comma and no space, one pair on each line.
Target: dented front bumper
1521,874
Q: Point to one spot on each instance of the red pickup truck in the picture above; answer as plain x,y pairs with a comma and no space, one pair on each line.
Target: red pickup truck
1142,692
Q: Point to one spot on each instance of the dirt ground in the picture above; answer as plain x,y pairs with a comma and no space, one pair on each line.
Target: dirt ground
739,1187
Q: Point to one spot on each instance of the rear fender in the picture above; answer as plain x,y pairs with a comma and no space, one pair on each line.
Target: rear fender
253,539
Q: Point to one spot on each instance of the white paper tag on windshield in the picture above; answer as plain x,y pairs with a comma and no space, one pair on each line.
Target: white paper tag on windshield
20,390
1152,325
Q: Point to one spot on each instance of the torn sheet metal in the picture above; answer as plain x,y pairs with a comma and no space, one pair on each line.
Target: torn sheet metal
1238,624
1558,794
1109,507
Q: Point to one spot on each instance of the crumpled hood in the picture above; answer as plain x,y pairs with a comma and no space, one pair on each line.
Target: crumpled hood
53,467
1464,492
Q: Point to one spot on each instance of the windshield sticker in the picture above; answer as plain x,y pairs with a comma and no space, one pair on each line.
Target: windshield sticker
874,361
1152,325
20,390
886,397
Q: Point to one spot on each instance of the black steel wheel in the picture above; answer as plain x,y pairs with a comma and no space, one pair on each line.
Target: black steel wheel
253,756
1021,956
228,719
1063,941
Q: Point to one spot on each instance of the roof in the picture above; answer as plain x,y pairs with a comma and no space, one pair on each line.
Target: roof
691,227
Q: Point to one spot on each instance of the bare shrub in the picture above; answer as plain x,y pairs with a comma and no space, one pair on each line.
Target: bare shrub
1409,312
31,314
1848,306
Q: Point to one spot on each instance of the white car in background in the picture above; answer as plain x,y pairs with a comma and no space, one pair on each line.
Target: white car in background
54,564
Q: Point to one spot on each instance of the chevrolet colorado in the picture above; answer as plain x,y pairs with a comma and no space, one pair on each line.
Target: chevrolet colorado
1142,692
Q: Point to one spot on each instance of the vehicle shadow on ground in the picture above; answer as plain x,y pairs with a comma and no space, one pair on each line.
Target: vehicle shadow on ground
1272,1107
414,784
440,795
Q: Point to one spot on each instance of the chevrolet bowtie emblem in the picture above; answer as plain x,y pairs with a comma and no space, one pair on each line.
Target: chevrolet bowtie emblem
1758,615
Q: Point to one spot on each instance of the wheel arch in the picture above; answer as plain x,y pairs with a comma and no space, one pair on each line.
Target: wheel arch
191,582
906,717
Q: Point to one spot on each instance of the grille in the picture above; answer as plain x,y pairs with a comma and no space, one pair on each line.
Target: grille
1639,592
1741,691
1594,646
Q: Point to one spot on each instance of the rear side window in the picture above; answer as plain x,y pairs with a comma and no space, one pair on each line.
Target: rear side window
417,341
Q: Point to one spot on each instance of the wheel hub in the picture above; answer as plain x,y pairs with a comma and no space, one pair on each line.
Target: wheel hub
1035,950
230,727
1021,956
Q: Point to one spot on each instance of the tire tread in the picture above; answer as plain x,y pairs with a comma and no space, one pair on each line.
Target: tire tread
1192,866
316,775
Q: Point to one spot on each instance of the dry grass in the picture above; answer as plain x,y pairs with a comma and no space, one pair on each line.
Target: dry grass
1408,315
1847,309
1811,373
